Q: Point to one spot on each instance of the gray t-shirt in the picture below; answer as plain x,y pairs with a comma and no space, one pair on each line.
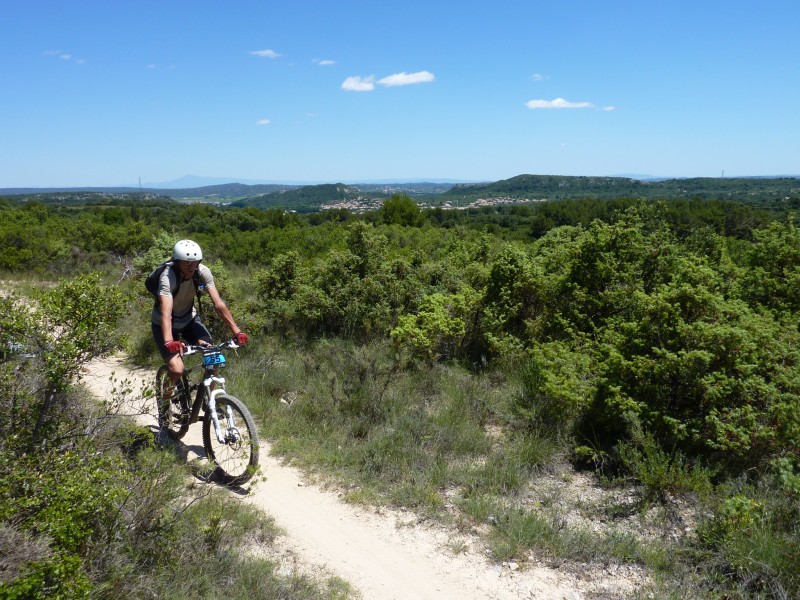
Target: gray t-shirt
183,310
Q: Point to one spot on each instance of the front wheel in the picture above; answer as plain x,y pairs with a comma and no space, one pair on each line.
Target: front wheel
236,456
173,412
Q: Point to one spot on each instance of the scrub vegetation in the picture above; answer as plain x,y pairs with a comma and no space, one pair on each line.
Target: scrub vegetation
444,361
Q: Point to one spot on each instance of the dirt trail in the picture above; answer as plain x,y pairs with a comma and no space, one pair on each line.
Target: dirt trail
386,554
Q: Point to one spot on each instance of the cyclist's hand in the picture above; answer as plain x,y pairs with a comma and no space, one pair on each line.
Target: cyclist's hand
241,338
174,347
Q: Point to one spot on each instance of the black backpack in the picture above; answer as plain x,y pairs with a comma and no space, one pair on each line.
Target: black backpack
151,282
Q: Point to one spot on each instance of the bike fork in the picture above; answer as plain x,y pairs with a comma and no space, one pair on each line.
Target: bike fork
222,438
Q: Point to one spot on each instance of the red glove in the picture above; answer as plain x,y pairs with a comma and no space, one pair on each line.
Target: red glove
241,338
174,347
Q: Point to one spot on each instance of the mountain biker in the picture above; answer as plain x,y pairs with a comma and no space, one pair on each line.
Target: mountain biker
174,313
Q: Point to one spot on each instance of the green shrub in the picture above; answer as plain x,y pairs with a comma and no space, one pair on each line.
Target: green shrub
401,210
754,538
442,327
662,473
772,276
558,381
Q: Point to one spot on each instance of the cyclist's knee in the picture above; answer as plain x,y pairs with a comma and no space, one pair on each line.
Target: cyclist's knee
175,366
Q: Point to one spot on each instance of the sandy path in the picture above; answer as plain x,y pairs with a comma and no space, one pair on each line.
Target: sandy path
386,555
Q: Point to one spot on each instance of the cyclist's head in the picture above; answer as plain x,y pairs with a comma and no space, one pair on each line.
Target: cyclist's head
187,250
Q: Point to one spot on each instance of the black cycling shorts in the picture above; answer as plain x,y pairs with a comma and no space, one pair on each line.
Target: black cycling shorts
194,332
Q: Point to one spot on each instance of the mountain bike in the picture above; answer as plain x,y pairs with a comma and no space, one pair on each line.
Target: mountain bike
229,432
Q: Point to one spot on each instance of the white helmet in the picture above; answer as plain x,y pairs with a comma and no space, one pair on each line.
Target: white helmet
187,250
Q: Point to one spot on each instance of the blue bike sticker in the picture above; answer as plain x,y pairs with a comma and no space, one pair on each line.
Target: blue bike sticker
217,358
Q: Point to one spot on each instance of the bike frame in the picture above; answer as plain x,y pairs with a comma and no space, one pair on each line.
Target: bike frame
210,377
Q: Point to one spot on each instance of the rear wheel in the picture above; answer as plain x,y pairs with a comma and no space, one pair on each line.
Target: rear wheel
173,412
236,456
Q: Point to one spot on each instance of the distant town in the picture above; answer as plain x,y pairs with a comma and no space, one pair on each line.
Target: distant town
361,205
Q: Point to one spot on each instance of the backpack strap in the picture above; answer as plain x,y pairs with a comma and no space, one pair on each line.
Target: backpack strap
198,289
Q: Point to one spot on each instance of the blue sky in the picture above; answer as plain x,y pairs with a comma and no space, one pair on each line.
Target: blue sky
98,93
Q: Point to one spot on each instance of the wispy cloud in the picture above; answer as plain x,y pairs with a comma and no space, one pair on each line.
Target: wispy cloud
407,79
538,77
265,53
557,103
263,122
367,84
63,56
359,84
609,108
324,62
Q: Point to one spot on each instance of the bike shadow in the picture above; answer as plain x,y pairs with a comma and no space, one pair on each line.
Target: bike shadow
194,455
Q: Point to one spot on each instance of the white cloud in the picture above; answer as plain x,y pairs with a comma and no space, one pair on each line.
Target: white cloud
538,77
557,103
367,84
263,122
63,56
324,62
359,84
265,53
407,78
609,108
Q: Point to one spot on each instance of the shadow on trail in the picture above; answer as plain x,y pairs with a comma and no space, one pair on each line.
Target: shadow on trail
194,455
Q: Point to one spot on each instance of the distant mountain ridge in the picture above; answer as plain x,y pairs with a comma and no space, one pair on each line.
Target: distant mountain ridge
305,197
194,181
194,186
225,189
560,187
521,188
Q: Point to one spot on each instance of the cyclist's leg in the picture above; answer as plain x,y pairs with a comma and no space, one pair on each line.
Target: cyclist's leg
199,334
174,360
196,332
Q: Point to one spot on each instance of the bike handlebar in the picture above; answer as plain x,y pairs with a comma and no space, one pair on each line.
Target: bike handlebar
189,349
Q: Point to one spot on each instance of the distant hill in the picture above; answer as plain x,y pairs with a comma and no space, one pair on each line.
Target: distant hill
521,188
222,191
313,197
195,181
556,187
238,190
305,198
300,198
227,190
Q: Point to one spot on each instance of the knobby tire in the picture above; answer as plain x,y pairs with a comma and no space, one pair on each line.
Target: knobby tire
236,461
